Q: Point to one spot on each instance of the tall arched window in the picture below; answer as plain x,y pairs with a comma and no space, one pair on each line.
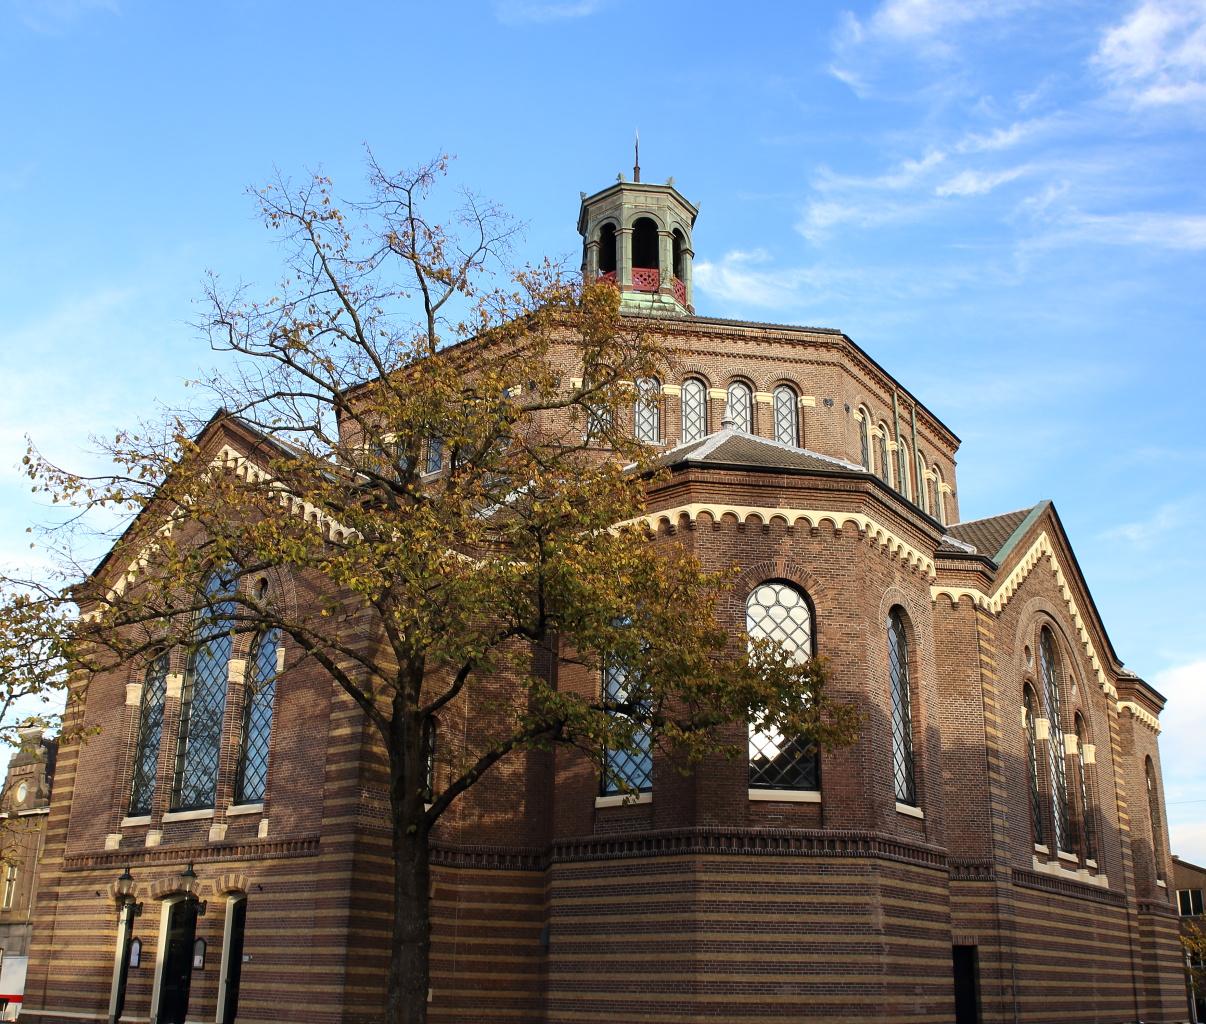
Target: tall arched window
923,489
740,407
1088,823
150,731
1049,663
902,709
884,467
864,440
780,612
430,738
647,411
1153,812
787,415
1029,719
939,497
694,409
629,768
902,476
259,693
607,249
645,254
203,698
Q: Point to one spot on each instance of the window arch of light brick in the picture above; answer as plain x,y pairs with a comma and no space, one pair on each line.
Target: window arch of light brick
787,415
259,694
903,765
203,696
694,404
1052,683
1030,717
781,612
1153,813
1088,816
647,410
864,437
882,458
150,736
739,406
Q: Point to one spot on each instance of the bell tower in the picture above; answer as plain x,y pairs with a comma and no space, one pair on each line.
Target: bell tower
638,236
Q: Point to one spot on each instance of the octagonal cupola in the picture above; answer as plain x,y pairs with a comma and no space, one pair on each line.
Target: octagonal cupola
638,236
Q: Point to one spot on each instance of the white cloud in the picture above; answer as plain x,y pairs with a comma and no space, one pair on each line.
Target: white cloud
516,12
746,277
1157,55
56,15
914,19
1184,723
1145,533
977,183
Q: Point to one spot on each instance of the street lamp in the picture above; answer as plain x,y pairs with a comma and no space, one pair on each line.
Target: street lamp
123,890
128,908
190,885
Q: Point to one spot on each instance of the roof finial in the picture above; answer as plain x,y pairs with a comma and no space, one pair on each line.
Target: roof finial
636,164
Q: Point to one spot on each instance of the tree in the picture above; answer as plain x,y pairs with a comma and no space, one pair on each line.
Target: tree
450,460
1193,941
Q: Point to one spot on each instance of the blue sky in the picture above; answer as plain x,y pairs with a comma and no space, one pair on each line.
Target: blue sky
1003,201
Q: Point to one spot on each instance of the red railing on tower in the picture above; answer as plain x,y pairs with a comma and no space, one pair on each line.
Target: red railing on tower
680,291
646,279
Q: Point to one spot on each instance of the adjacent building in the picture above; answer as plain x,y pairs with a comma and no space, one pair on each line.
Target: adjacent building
991,849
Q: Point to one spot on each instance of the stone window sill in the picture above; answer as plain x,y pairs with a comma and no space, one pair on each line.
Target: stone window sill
792,796
199,815
236,809
135,821
910,810
623,799
1071,858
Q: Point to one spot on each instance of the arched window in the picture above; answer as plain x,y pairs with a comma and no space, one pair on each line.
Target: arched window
645,254
678,242
150,731
781,613
740,407
647,410
430,736
607,249
787,415
629,766
1049,664
902,710
694,409
258,695
923,489
203,698
939,497
902,476
1029,709
864,439
1082,778
884,467
1153,811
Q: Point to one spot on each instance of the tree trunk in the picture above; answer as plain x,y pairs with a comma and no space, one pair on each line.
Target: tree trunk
406,1002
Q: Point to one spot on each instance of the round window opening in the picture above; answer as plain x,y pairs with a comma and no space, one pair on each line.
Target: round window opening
22,793
1029,657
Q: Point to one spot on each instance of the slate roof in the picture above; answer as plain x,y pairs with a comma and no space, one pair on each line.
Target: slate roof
730,447
991,536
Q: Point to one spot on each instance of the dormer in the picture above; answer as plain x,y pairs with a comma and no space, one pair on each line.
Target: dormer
638,236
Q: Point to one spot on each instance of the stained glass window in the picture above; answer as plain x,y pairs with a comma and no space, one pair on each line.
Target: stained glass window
203,700
628,769
1055,746
647,413
150,732
258,694
902,711
695,409
1036,802
787,412
740,407
780,612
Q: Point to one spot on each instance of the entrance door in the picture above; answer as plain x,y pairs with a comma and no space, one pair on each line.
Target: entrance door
178,962
967,985
234,961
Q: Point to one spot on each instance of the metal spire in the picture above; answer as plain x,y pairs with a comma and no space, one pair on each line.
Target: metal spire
636,165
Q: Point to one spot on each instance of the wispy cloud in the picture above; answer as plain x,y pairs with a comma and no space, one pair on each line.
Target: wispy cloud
977,183
1156,56
519,12
1184,722
1146,533
56,15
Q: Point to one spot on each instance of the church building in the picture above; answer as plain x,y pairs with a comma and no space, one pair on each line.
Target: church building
991,848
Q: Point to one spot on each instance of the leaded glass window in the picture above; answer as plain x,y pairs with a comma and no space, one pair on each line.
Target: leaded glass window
1153,811
598,421
939,498
787,416
695,409
1036,802
864,440
922,489
258,695
881,450
435,455
740,407
1082,778
150,732
625,770
902,476
429,756
647,411
780,612
1055,746
902,710
203,699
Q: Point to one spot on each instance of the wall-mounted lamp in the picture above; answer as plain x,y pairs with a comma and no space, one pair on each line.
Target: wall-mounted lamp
123,889
190,885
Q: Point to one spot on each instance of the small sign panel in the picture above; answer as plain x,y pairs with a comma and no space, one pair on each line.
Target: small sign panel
136,952
199,955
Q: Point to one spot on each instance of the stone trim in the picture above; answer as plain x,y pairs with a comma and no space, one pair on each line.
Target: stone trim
204,854
1066,887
